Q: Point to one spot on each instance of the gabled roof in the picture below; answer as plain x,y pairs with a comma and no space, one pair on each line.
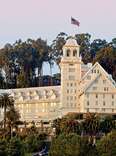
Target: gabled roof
91,82
108,77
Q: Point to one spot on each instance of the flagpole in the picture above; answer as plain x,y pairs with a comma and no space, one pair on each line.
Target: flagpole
75,23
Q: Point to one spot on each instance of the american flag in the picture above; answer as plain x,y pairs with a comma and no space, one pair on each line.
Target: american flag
74,21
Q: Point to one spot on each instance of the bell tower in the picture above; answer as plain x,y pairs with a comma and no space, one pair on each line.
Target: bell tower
70,76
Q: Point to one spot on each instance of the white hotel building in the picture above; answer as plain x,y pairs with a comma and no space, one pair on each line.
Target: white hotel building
84,88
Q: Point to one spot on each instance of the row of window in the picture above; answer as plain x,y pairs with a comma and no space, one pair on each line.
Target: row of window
71,91
104,103
37,105
71,105
71,77
95,71
68,52
71,97
103,110
71,84
97,95
105,88
71,69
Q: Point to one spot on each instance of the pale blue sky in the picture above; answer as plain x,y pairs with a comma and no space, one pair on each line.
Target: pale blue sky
46,18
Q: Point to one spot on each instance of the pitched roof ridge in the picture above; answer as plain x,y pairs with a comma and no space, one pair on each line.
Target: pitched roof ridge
86,87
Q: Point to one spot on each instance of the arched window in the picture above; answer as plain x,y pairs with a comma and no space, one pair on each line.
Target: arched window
75,52
68,52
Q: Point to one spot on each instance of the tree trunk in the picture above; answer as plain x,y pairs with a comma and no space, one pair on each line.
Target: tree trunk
4,117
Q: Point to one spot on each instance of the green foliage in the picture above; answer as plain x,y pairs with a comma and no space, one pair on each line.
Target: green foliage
67,125
107,145
34,142
91,124
72,145
57,46
84,41
22,61
15,147
2,82
107,58
87,148
96,45
6,101
3,147
107,124
65,145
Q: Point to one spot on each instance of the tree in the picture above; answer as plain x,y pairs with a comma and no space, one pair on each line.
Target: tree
96,45
91,124
107,124
1,80
6,101
107,58
67,125
15,147
56,47
107,145
87,148
34,142
21,80
12,116
3,147
65,145
84,41
72,145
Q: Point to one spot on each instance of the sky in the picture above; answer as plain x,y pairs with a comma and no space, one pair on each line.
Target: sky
46,18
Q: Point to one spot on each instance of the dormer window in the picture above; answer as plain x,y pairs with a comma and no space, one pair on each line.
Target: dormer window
75,52
68,52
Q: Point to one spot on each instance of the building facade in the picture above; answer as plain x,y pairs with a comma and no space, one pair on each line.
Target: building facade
84,88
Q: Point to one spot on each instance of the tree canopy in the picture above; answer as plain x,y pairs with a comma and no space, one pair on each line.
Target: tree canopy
22,61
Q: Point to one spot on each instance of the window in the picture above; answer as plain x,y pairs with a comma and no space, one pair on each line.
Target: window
97,71
94,88
71,84
104,81
104,103
71,77
96,110
112,110
112,96
68,52
71,69
71,97
75,52
112,103
87,109
67,91
71,64
89,77
103,109
105,88
96,95
87,103
96,102
67,84
87,95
